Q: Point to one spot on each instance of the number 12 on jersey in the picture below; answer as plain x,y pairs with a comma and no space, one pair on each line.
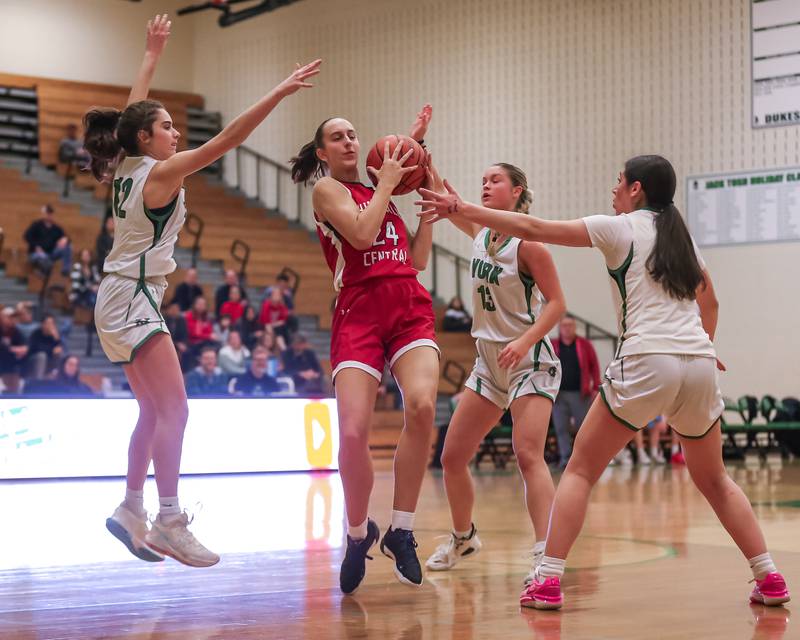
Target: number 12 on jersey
124,185
486,298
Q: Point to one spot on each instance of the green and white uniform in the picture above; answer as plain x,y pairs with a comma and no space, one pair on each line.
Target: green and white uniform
665,363
128,306
506,302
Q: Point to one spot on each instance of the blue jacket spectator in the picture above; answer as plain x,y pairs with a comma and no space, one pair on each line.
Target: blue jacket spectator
207,380
256,382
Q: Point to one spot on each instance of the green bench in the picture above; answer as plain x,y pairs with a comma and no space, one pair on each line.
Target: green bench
748,409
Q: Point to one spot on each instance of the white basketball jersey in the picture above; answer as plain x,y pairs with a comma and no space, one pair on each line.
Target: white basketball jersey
505,301
144,240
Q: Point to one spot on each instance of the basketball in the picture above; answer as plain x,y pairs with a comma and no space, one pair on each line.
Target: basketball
411,181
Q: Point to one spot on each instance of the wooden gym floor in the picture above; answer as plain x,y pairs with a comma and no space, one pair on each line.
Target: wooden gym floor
652,562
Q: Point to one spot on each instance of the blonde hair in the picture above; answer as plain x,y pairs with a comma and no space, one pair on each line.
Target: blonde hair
518,179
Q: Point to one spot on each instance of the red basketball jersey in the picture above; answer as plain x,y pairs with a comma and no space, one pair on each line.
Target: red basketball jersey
388,257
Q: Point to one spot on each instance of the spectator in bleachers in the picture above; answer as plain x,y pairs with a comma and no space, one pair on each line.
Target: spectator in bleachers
456,318
207,379
104,242
580,379
178,330
250,328
201,329
234,355
222,294
70,149
272,341
68,380
275,313
44,349
23,318
301,363
282,282
47,243
222,329
85,281
233,306
188,291
256,382
13,350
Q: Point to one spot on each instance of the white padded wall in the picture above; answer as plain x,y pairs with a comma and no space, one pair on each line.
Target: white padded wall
566,89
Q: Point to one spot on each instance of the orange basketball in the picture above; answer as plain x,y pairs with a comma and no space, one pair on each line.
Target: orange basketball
411,181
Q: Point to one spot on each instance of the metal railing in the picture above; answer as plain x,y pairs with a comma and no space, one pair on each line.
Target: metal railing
294,278
194,226
240,251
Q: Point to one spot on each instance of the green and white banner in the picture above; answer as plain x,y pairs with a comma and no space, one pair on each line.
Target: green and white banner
747,207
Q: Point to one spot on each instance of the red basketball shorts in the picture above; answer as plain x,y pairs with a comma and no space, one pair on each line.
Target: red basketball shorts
378,321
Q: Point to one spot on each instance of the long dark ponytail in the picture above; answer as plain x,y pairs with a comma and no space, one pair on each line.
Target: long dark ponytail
673,261
109,132
306,165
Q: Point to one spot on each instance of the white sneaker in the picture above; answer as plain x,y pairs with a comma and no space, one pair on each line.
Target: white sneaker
624,458
131,530
657,456
537,560
644,459
447,555
173,539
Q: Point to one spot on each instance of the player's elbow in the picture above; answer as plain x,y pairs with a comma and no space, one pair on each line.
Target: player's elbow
420,264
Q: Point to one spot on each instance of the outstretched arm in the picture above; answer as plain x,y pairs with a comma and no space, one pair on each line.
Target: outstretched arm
157,36
571,233
167,176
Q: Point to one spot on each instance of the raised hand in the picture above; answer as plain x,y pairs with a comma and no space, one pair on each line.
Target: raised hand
297,80
157,34
436,206
392,170
420,126
433,180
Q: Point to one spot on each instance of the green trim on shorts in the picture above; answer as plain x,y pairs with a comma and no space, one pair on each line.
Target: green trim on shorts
702,435
140,344
615,416
478,385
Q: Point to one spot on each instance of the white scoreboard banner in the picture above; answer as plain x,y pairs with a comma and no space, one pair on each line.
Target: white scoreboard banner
775,37
61,438
746,207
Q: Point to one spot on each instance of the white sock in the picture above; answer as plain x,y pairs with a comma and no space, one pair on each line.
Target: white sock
358,532
169,507
538,548
675,448
461,534
551,567
654,452
134,500
403,520
762,565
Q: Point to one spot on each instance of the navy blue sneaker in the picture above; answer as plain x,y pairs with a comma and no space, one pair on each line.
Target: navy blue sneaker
354,564
400,546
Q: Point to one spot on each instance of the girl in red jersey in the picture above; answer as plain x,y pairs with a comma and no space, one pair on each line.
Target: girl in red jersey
382,315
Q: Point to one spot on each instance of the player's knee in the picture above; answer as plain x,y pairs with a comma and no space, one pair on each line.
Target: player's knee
454,460
528,460
174,412
419,413
353,437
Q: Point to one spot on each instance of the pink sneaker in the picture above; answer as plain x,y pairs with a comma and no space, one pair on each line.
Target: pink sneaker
543,595
770,591
677,458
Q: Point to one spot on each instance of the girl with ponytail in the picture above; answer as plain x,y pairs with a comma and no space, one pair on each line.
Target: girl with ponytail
517,300
665,363
383,316
136,150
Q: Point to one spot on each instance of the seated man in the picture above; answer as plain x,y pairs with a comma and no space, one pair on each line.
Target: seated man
13,349
223,293
187,291
70,149
302,364
207,380
47,243
256,382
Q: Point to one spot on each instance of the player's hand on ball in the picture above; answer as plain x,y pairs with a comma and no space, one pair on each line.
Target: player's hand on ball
440,205
297,80
392,170
512,354
157,34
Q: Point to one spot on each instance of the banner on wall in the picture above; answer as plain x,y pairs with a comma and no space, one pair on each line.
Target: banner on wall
746,207
59,438
775,39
